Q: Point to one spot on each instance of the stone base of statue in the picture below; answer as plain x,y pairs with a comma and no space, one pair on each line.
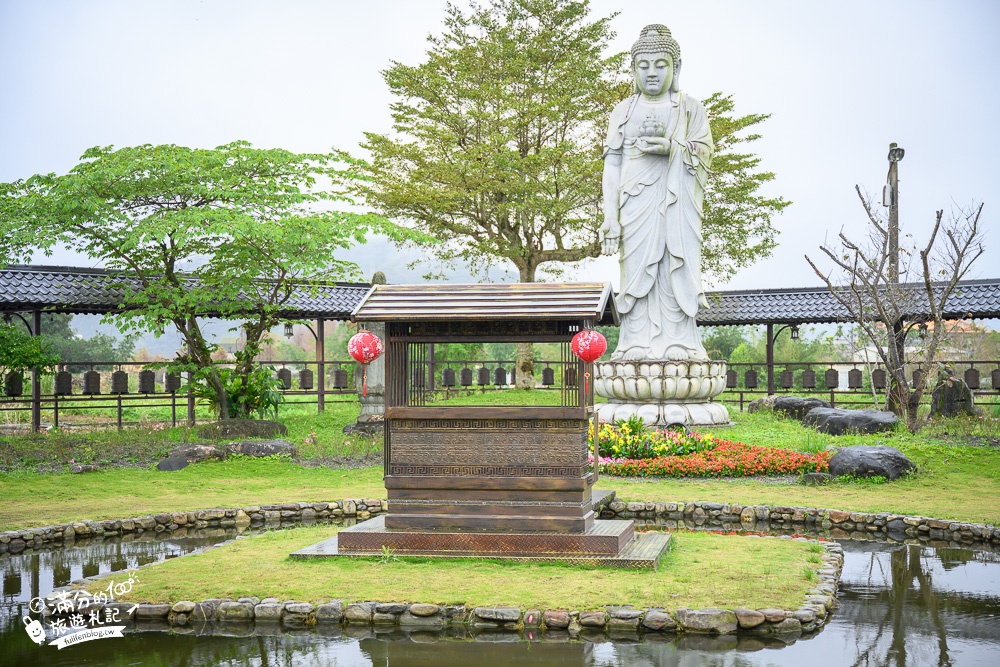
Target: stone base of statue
662,392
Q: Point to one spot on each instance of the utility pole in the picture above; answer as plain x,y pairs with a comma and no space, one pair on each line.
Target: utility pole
890,198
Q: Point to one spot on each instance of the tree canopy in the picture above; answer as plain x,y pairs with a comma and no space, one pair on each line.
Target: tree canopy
496,149
21,352
228,231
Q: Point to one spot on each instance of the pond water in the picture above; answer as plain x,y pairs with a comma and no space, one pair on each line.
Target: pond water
899,605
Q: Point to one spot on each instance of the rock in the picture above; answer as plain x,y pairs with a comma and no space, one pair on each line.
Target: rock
197,453
498,614
532,618
624,613
269,611
183,607
593,619
835,421
172,463
748,618
721,621
839,516
390,608
261,447
234,611
951,397
331,612
773,615
358,613
298,608
422,609
83,468
241,428
797,407
370,429
816,478
869,461
787,625
765,404
151,611
556,619
411,621
658,620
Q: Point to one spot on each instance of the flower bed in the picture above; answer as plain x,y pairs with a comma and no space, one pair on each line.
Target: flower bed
725,459
632,440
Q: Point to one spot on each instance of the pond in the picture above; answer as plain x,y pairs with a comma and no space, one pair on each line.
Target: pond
900,604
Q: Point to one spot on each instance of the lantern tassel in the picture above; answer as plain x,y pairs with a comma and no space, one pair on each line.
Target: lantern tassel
364,381
586,384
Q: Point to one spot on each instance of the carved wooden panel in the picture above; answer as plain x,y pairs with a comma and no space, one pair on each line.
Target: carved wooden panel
500,447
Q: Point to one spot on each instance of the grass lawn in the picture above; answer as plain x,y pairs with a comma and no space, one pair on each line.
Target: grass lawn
29,499
958,478
701,571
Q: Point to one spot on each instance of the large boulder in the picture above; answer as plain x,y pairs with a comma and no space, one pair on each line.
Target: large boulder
798,407
241,428
196,453
870,461
765,404
261,447
835,421
172,464
951,397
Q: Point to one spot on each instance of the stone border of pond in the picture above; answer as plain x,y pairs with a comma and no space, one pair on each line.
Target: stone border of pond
357,509
218,613
834,524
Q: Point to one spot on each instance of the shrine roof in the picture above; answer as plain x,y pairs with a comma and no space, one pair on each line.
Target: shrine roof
483,302
979,299
63,289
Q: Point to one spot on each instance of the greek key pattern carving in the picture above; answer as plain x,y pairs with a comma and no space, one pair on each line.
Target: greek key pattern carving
473,450
487,470
489,424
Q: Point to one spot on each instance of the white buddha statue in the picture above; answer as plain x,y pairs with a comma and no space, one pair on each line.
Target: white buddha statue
656,161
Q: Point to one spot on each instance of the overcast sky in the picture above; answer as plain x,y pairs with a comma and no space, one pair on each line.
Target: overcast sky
841,80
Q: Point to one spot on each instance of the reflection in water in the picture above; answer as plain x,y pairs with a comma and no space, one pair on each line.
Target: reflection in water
900,605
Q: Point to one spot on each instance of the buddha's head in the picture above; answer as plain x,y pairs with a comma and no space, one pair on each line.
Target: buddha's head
656,61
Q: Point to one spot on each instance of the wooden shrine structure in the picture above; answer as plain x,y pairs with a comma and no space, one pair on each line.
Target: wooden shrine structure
494,481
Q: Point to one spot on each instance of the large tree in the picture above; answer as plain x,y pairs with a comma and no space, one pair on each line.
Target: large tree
496,149
229,231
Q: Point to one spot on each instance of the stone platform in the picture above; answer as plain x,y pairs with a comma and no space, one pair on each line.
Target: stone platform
610,543
662,392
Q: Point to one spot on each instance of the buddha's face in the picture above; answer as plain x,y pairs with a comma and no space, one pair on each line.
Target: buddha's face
654,73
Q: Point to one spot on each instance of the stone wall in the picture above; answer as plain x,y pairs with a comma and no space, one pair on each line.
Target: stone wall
775,519
835,524
359,509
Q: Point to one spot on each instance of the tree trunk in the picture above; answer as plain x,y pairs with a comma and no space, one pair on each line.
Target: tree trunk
912,406
525,364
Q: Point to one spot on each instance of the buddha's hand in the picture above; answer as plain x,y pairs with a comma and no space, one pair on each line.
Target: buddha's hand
653,145
611,234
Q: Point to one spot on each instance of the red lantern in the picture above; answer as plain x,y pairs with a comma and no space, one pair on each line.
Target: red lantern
589,345
365,347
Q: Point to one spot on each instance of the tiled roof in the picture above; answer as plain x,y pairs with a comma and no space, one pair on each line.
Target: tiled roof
77,290
979,299
489,301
